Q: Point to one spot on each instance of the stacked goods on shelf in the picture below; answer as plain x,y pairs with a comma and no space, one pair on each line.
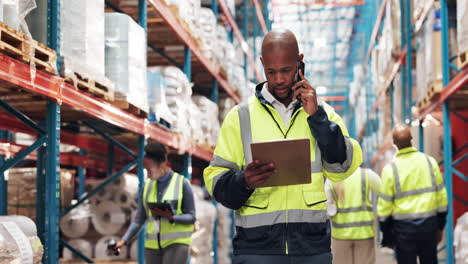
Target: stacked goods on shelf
202,238
221,41
82,40
178,97
433,140
125,58
19,242
22,190
92,225
224,234
159,111
429,59
462,33
207,21
225,105
384,118
21,45
208,120
397,97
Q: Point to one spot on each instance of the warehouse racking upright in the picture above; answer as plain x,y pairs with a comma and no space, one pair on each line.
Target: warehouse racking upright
62,103
450,103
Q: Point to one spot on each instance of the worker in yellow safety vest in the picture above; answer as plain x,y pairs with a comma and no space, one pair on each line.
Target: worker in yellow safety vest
412,205
167,207
350,207
285,224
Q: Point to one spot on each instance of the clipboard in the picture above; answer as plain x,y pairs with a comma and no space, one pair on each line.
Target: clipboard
291,158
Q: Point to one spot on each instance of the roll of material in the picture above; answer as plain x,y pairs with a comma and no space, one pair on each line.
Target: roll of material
134,250
101,251
84,246
24,223
76,223
108,218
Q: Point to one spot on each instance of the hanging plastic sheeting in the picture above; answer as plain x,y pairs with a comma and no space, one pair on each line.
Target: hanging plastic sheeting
461,239
101,251
82,245
202,238
76,223
108,218
15,246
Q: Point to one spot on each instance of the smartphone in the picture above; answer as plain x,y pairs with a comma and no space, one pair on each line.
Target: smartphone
300,66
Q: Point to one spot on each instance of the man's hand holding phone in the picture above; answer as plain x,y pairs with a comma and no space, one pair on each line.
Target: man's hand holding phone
307,94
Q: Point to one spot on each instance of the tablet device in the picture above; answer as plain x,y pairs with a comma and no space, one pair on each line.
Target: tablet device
161,206
291,158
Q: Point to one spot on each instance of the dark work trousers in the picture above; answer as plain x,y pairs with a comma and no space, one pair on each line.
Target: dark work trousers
325,258
420,245
173,254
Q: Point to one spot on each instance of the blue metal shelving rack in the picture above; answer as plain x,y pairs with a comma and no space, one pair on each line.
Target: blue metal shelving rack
451,86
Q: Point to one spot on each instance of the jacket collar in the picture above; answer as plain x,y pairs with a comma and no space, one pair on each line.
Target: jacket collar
406,151
261,98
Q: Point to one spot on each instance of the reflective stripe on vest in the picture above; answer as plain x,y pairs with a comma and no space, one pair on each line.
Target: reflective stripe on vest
168,233
279,217
246,136
400,194
364,206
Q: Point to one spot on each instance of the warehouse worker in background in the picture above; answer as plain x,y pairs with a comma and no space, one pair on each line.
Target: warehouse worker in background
286,224
350,208
412,201
168,235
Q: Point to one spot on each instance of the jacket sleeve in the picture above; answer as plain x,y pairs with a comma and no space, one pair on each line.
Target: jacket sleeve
441,194
341,155
387,193
224,177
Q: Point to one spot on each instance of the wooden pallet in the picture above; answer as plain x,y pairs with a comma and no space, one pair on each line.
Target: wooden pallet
19,46
12,42
90,86
432,93
462,60
45,58
129,107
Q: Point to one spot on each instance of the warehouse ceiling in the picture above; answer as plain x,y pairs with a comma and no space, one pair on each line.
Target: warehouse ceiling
326,31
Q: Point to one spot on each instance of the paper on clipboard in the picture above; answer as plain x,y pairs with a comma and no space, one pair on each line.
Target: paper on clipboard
291,158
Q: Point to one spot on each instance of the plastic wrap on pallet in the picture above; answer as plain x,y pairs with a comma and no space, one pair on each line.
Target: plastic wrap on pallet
157,96
421,83
125,49
462,25
22,190
82,34
225,105
209,124
16,246
177,92
202,237
433,140
207,22
433,42
82,245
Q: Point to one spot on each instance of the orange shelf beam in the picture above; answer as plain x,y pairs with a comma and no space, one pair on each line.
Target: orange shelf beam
56,89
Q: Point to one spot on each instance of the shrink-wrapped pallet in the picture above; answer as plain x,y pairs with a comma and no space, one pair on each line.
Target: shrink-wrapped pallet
125,49
82,34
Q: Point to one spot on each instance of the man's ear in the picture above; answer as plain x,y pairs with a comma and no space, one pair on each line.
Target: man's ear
301,57
261,59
